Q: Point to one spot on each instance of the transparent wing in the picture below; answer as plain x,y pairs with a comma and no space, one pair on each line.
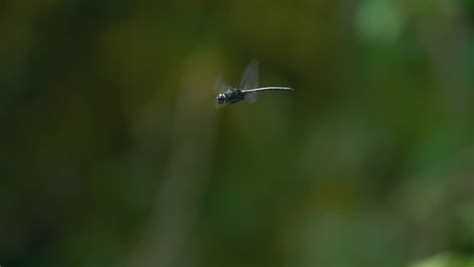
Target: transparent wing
252,97
220,85
250,76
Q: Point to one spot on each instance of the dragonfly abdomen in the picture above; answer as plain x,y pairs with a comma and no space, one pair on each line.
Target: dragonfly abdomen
261,89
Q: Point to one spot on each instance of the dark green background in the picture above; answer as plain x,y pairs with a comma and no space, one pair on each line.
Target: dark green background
113,154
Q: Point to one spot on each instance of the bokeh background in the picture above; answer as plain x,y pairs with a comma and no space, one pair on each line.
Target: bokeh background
113,154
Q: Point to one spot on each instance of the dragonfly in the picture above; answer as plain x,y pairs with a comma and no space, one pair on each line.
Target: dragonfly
248,87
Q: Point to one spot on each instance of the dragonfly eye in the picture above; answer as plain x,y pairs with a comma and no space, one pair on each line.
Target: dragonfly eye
220,98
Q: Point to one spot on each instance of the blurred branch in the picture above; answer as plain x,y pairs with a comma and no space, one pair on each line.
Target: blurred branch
180,193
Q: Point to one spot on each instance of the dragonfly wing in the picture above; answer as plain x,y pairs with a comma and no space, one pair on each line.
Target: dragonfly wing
251,97
220,85
250,76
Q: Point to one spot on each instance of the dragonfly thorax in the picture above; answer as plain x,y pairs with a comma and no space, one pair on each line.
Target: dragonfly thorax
230,96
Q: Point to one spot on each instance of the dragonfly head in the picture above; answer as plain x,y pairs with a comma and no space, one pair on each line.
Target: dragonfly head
220,99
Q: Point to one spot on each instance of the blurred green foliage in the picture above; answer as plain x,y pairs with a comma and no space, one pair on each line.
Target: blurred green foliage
113,153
